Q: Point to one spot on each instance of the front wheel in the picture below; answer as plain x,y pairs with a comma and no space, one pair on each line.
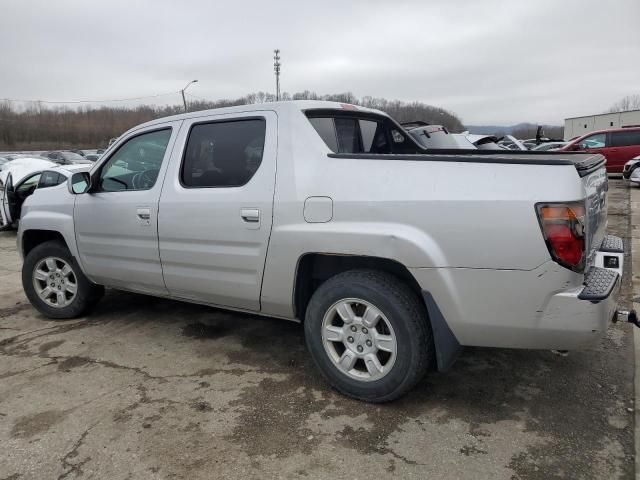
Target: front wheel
54,283
369,335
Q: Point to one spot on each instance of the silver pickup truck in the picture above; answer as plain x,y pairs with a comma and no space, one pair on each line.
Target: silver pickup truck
393,257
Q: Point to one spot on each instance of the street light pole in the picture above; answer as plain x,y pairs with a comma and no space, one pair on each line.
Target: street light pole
184,101
276,69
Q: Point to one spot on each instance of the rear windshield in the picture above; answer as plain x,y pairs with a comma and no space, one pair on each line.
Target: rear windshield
352,133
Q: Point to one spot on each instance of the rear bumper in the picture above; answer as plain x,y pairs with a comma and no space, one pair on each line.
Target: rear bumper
579,316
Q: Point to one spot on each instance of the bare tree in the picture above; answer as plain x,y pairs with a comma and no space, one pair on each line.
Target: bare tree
630,102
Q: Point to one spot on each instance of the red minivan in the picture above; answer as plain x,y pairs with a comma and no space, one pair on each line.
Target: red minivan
617,145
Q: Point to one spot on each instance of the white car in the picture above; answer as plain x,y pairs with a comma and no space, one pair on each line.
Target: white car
546,146
631,170
432,136
22,166
484,142
20,180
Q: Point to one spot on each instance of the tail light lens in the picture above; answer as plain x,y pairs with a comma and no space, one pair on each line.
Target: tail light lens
563,228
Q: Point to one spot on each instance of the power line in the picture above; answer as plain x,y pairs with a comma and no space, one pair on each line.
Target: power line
90,101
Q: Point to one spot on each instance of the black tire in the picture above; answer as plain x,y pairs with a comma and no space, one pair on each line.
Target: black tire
87,294
402,309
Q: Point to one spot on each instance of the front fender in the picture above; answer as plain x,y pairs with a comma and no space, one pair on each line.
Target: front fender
49,209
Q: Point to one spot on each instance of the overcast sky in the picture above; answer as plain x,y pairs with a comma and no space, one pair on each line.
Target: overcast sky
490,61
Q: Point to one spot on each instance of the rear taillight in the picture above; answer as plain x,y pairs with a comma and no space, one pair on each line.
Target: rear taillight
563,228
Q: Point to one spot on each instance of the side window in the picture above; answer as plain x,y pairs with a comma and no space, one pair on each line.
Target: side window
29,185
594,141
50,179
625,139
223,154
136,164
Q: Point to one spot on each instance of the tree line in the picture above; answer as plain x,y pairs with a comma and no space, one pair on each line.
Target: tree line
630,102
40,127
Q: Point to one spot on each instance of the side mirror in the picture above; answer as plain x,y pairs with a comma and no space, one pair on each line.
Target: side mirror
575,147
79,183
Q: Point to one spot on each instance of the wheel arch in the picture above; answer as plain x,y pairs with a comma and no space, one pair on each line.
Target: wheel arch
34,237
314,268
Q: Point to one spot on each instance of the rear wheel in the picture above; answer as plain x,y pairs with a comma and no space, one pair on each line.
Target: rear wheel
54,283
369,335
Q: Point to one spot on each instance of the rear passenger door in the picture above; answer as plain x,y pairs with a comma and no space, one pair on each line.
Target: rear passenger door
216,208
624,146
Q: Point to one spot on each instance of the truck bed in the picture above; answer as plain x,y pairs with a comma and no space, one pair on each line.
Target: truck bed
584,163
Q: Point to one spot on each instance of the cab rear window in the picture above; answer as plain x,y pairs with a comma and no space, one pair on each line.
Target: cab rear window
357,134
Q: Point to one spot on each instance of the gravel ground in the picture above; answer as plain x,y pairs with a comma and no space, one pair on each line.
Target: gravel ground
150,388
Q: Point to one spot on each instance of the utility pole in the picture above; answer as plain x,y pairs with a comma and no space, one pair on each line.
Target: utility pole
184,101
276,69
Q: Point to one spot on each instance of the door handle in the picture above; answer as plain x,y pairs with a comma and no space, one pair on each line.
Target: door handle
144,213
250,215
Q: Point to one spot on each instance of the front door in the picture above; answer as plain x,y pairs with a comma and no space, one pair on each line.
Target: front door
116,221
596,143
216,209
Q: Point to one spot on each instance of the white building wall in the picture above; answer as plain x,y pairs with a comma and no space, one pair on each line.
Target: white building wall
577,126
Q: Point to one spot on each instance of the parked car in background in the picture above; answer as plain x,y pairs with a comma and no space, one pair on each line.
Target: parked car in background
92,154
484,142
618,146
462,141
9,157
631,170
512,143
546,146
22,166
13,172
431,136
334,216
65,157
20,181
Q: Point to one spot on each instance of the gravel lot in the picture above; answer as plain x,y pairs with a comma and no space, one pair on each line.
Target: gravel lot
151,388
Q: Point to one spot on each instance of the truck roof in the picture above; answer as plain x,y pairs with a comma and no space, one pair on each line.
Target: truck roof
283,106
